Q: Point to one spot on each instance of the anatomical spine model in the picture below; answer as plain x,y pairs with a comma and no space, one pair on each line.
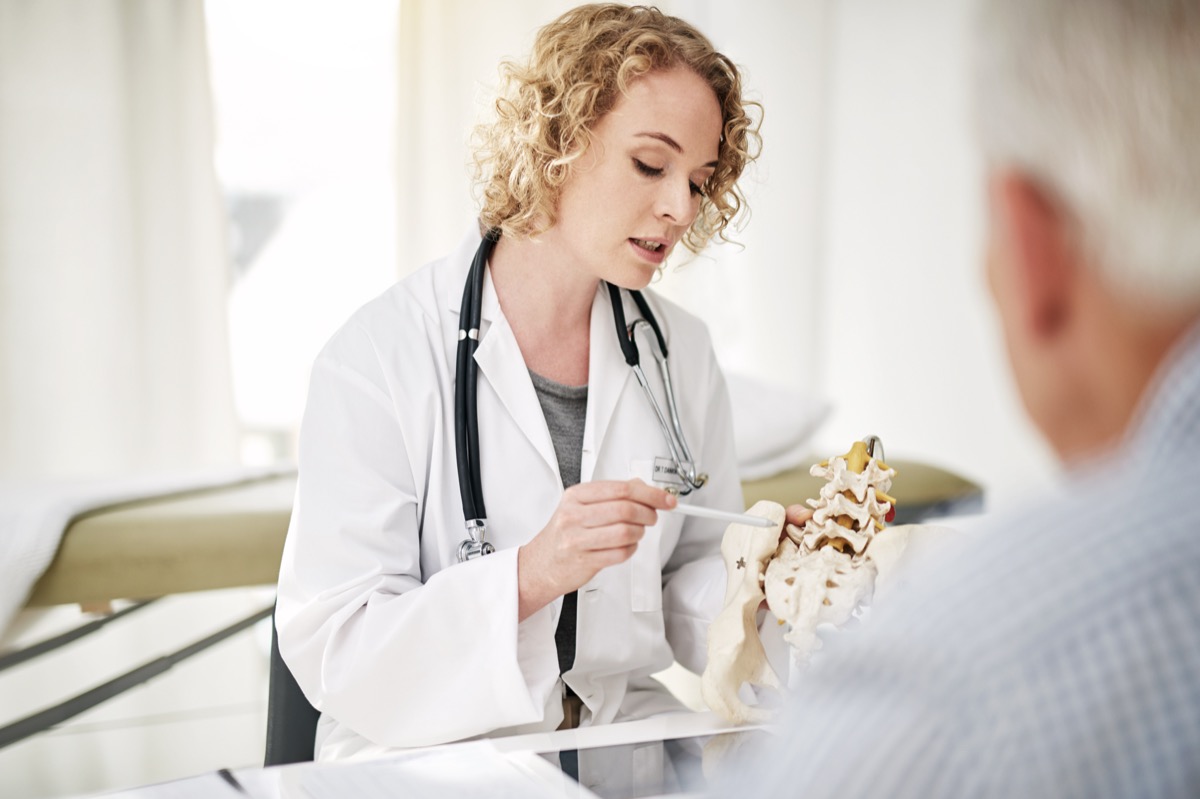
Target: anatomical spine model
818,574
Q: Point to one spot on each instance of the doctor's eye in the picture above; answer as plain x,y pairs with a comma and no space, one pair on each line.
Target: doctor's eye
654,172
646,169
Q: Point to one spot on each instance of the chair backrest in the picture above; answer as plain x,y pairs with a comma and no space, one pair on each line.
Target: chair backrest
291,720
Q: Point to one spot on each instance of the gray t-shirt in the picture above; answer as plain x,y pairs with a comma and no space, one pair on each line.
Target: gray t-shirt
565,409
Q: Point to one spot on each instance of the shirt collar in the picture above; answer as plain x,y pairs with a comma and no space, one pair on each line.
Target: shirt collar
1168,416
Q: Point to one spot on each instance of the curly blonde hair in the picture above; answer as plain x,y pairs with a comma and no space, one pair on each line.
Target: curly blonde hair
580,64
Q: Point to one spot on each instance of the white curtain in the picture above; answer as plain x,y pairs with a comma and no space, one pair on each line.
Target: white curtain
113,260
448,54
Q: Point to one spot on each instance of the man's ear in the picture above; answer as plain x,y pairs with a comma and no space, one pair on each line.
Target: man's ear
1040,252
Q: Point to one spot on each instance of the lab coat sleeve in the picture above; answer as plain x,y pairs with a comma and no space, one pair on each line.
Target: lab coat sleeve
400,658
694,575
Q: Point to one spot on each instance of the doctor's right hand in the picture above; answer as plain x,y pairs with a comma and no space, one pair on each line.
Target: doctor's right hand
596,525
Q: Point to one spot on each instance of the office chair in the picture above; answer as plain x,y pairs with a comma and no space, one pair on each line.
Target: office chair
291,720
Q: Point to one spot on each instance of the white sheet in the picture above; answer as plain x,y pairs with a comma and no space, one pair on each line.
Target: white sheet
34,514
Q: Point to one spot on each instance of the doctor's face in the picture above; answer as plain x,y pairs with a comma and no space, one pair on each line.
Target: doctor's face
635,192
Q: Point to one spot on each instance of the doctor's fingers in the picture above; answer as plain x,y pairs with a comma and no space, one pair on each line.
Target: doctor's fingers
603,558
798,514
633,490
609,537
624,511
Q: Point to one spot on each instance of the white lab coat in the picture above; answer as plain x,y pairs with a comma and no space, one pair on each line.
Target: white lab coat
388,635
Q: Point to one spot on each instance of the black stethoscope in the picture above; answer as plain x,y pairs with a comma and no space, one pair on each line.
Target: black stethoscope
466,413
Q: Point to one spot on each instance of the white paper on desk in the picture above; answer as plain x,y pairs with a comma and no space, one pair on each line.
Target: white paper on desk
202,786
469,771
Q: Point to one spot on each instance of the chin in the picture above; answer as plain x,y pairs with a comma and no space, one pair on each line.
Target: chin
633,283
640,276
627,279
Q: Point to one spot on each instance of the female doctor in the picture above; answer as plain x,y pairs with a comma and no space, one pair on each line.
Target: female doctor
621,138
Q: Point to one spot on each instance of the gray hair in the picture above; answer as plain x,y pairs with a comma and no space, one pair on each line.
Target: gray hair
1099,102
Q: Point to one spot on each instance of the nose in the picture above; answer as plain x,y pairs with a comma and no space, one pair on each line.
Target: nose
676,203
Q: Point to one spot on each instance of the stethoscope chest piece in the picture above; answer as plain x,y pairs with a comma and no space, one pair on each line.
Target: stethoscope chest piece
474,546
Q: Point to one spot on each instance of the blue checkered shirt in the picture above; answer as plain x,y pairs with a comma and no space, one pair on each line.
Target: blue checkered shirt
1056,653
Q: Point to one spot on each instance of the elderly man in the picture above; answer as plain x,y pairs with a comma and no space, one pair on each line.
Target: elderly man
1058,654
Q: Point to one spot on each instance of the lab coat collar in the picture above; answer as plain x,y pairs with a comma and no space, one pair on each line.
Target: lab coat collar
459,265
499,356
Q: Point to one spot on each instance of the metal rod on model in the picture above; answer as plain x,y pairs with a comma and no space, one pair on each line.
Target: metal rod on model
721,515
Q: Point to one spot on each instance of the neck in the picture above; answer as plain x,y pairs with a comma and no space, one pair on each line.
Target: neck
1120,354
548,305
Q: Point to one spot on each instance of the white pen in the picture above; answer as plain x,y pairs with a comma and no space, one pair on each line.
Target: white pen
721,515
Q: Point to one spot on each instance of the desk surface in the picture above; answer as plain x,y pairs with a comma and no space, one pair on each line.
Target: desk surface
669,755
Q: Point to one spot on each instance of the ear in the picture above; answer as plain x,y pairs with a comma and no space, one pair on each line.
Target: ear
1039,249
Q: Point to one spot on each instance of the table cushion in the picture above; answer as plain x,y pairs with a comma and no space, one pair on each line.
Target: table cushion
212,538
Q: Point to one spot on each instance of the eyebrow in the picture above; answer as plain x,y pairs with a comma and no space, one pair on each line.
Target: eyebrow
674,145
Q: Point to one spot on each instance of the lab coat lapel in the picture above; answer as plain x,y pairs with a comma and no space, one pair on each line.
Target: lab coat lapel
608,377
503,367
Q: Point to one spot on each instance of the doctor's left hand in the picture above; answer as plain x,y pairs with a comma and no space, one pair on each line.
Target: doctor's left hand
596,525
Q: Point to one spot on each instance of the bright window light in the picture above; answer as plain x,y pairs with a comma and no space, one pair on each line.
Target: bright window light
304,98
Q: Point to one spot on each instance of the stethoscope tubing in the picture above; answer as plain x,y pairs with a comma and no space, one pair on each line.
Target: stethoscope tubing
676,440
466,398
466,395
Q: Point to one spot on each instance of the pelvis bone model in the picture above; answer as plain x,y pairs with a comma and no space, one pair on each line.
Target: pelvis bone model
821,573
